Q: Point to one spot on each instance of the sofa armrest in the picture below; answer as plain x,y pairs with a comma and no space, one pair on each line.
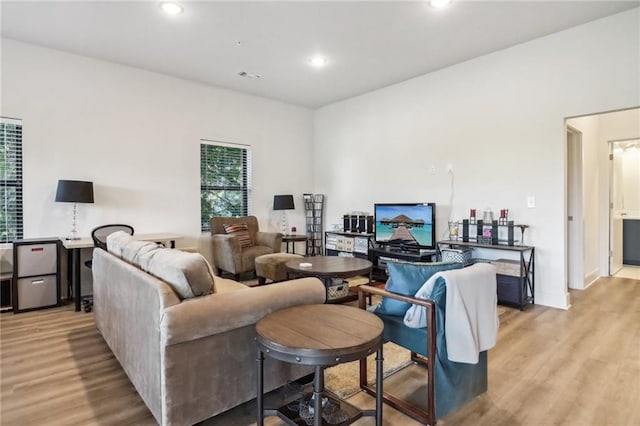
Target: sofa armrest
269,239
226,251
217,313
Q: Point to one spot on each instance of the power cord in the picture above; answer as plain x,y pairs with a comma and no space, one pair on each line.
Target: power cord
446,231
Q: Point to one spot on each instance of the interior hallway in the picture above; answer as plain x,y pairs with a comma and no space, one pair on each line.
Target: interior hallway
632,272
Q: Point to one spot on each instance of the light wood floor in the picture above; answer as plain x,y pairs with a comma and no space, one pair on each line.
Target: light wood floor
550,367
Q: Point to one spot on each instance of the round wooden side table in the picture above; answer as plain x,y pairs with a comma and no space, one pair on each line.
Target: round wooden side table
293,239
321,336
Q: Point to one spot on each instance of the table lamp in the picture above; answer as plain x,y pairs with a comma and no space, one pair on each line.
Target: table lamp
283,202
74,191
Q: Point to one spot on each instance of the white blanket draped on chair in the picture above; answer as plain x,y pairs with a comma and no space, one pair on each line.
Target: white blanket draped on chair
471,311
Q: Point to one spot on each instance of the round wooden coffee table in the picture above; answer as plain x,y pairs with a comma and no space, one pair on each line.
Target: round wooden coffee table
328,267
320,335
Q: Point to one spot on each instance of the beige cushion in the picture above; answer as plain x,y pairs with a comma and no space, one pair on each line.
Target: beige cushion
189,274
116,242
132,250
225,285
145,258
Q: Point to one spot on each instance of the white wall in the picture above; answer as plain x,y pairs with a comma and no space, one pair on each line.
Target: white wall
498,119
136,135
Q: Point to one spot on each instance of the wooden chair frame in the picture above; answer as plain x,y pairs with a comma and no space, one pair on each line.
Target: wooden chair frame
424,416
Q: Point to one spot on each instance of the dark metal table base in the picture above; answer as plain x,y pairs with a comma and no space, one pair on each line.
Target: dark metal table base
292,417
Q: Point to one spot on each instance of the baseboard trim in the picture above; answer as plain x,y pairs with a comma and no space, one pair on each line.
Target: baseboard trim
591,277
553,300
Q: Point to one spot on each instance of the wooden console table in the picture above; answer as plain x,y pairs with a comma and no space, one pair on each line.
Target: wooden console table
515,291
316,335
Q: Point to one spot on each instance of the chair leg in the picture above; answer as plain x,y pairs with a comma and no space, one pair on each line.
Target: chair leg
262,280
419,359
422,416
236,277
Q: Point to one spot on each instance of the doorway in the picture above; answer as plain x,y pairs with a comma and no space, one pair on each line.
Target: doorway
588,238
624,178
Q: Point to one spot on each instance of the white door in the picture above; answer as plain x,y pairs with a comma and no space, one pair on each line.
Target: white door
575,231
616,208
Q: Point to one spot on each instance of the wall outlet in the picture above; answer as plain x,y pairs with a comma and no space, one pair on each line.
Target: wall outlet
432,169
531,202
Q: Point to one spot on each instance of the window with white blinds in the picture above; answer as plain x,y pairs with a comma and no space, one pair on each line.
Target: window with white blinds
225,181
11,184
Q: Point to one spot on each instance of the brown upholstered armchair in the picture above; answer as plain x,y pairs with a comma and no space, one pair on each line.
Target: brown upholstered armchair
229,256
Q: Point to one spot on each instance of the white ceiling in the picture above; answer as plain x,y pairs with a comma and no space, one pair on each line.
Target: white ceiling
369,44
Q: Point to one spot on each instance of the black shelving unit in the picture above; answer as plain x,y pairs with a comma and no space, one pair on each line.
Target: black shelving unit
314,210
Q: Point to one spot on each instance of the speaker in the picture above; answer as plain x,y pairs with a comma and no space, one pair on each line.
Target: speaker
465,230
358,223
494,232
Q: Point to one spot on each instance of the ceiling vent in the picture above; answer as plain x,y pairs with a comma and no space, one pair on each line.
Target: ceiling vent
249,75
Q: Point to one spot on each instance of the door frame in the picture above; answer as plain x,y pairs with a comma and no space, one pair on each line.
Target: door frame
574,210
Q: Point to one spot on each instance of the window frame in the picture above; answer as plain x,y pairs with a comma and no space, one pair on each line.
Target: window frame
244,187
16,155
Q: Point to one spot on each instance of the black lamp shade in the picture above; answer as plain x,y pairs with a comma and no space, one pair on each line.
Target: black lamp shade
74,191
283,202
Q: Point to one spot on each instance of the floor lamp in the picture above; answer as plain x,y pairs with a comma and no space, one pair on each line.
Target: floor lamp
283,202
74,191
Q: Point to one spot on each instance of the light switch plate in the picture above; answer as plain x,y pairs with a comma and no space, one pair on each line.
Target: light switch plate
531,202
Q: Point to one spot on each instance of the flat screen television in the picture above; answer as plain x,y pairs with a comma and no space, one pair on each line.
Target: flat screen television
407,225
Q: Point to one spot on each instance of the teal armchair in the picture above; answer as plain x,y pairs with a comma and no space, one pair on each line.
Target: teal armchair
450,384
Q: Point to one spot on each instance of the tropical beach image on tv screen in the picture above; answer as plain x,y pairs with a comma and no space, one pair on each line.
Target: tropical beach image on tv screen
404,224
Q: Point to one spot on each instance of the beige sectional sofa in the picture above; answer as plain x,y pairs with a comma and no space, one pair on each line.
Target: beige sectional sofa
190,357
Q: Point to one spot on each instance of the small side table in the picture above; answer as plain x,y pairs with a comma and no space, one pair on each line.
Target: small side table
6,284
322,336
293,239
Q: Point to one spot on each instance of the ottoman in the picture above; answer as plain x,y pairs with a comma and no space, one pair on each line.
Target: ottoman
271,266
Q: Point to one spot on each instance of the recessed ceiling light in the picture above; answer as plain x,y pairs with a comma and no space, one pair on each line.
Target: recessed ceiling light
439,3
171,8
318,61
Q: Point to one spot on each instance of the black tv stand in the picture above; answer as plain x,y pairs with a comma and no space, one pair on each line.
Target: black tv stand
379,256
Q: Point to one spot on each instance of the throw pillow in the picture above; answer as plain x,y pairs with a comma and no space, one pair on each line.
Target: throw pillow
241,232
189,274
116,242
406,278
132,251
